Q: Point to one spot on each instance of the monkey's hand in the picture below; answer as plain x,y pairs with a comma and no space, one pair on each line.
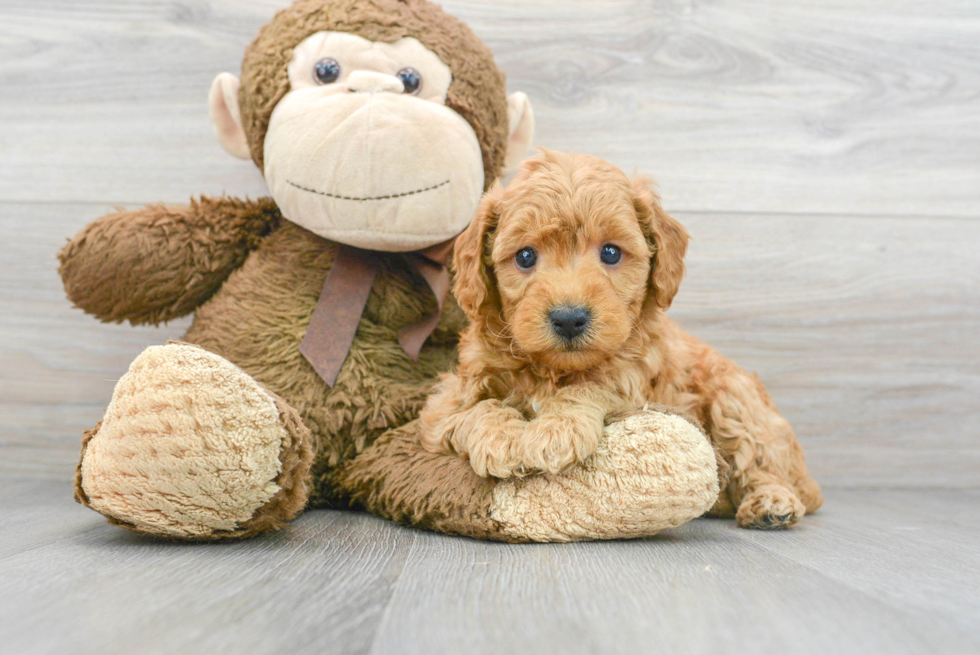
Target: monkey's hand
160,262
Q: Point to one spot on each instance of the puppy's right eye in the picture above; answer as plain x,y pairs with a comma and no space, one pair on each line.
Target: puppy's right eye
525,258
610,254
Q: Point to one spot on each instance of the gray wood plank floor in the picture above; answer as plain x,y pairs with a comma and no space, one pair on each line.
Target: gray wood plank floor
824,154
879,571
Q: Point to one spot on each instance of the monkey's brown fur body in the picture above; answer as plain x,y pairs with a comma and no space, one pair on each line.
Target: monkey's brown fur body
227,434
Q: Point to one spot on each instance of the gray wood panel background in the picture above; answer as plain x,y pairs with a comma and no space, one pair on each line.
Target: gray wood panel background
824,155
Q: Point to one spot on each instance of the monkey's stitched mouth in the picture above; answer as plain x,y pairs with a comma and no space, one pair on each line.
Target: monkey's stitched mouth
366,198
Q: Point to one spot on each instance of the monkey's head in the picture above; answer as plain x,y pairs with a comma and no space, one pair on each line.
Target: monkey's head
377,123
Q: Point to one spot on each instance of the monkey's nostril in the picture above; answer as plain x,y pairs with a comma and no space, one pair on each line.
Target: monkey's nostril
569,322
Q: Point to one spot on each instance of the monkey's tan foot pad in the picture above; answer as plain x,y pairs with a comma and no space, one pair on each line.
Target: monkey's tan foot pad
192,447
652,471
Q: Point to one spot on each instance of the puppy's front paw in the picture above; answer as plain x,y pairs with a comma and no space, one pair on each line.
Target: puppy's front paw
770,508
493,452
551,445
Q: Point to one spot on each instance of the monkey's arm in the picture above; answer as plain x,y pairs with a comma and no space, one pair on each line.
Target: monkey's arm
160,262
399,479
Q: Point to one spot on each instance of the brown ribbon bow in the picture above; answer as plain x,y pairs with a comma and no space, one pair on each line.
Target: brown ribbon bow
345,292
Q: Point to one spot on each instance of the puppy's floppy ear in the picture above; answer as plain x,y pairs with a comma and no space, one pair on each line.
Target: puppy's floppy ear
668,240
474,285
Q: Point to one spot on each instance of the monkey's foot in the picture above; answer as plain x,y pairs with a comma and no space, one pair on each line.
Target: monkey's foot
652,471
192,447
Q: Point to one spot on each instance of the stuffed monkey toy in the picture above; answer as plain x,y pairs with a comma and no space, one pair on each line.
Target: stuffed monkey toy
321,314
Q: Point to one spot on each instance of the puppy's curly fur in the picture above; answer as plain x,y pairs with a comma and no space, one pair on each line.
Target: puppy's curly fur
532,391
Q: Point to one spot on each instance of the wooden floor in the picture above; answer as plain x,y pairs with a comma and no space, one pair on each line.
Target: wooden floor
880,571
825,156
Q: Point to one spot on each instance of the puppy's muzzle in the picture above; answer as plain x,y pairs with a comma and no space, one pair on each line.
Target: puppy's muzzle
570,322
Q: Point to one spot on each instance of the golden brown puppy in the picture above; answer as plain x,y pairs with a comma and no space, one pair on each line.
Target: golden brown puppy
565,277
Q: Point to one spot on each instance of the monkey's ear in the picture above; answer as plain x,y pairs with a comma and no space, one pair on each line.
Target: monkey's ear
520,118
225,116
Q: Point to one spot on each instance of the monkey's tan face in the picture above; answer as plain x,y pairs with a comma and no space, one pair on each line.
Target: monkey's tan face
362,149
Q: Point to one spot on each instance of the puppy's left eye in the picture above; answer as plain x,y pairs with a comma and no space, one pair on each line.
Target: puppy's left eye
610,254
525,258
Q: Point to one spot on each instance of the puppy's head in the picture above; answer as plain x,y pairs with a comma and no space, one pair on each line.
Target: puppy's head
568,260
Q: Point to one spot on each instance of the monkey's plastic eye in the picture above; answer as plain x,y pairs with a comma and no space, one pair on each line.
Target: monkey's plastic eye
411,79
526,258
610,254
327,70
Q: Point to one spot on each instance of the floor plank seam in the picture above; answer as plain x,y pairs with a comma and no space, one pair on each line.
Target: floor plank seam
386,614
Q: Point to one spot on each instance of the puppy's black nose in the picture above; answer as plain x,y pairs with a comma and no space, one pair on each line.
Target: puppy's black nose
569,322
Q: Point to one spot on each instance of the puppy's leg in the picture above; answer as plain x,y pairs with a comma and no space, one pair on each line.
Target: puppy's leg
485,431
567,428
490,434
769,483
